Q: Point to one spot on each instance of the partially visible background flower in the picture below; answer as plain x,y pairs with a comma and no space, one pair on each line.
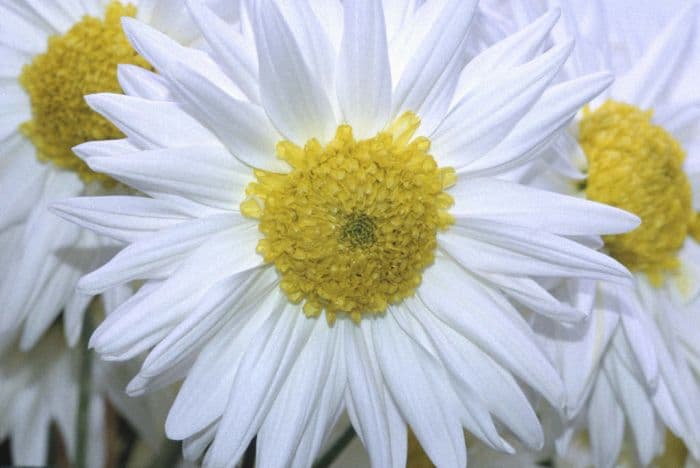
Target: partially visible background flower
52,53
627,368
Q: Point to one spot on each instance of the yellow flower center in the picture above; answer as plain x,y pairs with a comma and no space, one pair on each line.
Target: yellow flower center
82,61
353,225
638,166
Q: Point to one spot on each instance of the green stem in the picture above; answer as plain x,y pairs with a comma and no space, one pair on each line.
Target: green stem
336,449
85,383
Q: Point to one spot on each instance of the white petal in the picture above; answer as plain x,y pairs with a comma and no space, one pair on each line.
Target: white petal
241,126
124,218
512,51
606,424
117,339
229,48
637,407
314,44
651,75
397,13
365,397
541,125
289,415
149,257
204,395
206,175
421,401
490,384
532,295
265,367
193,447
327,407
151,124
364,76
29,442
507,202
293,98
491,323
20,175
139,82
427,84
505,249
227,304
490,110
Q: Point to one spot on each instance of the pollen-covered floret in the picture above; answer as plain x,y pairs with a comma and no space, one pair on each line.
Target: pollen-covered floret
353,225
638,166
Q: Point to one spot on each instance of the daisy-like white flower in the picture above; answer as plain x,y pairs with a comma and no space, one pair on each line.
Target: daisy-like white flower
633,147
40,388
324,229
52,52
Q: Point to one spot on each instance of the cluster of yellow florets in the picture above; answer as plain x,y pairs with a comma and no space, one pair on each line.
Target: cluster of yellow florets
638,166
354,224
90,51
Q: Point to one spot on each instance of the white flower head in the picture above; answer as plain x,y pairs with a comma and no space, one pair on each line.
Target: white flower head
53,52
325,229
635,147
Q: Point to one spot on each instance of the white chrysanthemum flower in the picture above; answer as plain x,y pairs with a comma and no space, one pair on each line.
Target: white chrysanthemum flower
52,53
41,387
634,147
325,230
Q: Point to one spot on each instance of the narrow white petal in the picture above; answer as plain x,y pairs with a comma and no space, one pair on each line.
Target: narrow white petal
501,248
509,53
638,409
498,200
314,44
230,49
139,82
408,375
290,413
151,124
364,76
365,398
265,367
652,74
427,84
204,395
151,256
227,304
606,424
552,112
491,323
532,295
292,96
327,407
241,126
487,381
502,101
208,175
126,219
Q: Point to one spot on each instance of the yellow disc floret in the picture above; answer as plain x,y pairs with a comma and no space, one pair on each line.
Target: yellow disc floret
82,61
353,225
638,166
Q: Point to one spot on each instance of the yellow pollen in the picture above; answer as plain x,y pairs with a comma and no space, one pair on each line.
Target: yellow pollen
638,166
353,225
82,61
